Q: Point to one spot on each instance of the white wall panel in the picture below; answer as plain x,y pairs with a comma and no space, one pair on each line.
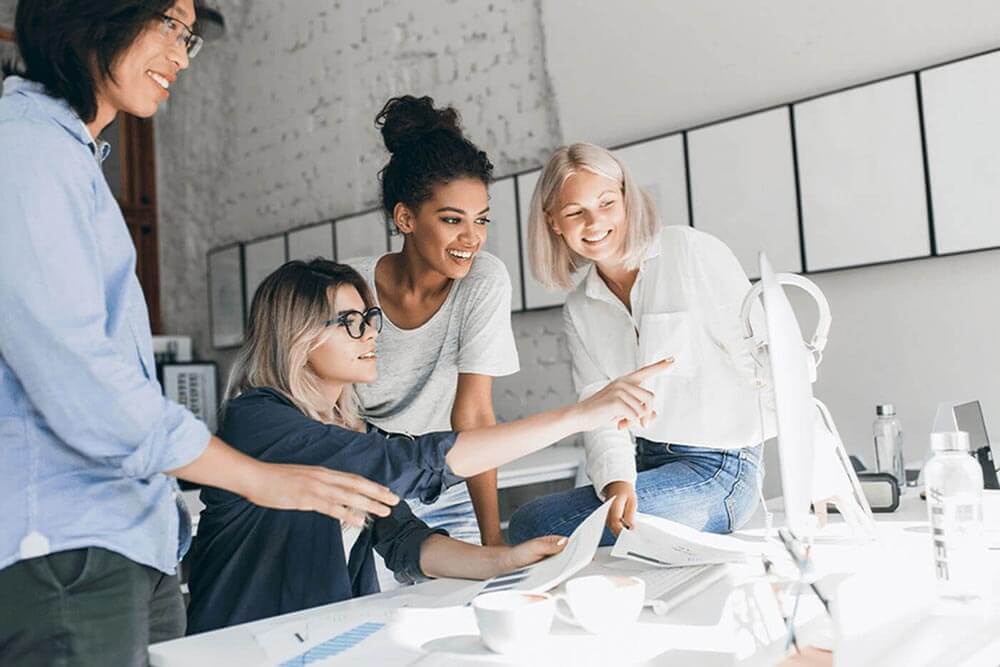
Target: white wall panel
962,122
861,176
743,188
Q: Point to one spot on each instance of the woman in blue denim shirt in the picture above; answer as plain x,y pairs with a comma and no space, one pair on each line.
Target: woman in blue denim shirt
311,337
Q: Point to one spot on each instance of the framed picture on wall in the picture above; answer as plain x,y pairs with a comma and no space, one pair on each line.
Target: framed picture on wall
312,241
225,295
195,386
961,104
861,173
503,236
658,167
362,235
261,258
743,188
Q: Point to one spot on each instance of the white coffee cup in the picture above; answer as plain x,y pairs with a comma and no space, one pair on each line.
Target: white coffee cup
602,603
513,621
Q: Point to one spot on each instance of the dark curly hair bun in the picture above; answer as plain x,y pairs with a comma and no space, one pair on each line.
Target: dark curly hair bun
406,120
427,148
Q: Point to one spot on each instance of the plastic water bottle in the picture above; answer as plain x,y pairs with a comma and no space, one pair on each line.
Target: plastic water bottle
888,432
955,507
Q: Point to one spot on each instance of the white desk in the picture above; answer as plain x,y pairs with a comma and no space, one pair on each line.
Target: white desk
734,622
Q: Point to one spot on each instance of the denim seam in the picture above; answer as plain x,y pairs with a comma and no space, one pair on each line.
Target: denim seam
729,497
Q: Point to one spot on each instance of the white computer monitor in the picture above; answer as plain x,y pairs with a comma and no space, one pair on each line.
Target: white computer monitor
795,409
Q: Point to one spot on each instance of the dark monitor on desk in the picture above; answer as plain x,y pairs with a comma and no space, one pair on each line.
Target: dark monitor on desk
969,418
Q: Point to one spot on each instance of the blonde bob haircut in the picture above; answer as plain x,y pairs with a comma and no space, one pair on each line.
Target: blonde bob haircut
552,262
288,319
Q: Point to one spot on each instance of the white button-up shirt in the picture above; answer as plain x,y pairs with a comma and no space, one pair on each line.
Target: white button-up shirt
686,304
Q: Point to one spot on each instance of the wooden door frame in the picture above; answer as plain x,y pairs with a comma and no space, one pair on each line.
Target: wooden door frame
137,144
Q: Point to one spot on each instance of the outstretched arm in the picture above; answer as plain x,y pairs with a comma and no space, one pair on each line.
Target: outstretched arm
620,403
442,556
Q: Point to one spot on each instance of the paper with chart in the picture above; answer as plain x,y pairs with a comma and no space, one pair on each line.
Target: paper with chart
337,629
658,541
551,572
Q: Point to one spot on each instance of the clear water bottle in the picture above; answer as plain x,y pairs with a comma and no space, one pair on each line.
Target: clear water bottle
955,508
888,432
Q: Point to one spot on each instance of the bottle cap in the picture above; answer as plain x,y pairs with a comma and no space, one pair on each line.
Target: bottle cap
950,441
885,410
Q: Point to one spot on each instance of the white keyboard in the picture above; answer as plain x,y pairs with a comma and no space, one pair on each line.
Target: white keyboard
668,587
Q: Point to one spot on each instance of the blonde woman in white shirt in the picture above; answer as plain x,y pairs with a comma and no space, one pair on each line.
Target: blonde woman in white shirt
647,291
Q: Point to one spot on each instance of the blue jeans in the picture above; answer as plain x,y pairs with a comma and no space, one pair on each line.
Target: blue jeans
452,511
707,489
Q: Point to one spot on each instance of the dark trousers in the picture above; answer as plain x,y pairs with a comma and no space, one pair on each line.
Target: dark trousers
86,607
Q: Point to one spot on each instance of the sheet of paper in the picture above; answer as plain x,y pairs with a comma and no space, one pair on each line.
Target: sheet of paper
577,554
659,541
294,638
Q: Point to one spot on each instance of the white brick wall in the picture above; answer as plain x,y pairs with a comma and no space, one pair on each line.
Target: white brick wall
272,126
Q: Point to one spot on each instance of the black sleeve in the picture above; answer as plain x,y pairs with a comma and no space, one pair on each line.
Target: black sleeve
398,538
269,428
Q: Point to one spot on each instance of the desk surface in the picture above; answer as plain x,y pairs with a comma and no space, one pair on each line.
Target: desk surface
728,624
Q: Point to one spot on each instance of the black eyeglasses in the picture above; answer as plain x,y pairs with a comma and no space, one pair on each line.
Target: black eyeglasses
182,34
356,322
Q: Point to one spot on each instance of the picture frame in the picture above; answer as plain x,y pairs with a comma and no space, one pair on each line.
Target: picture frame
195,386
362,235
226,300
743,188
861,175
312,241
260,258
960,106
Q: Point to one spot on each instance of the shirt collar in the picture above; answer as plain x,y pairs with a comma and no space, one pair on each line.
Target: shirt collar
58,110
594,285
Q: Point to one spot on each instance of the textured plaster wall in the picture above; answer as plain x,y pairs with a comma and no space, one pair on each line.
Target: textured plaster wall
271,127
7,13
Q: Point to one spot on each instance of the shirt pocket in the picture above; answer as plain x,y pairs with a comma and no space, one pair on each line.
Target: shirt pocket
664,335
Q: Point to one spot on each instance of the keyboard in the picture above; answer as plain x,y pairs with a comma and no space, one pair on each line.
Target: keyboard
668,587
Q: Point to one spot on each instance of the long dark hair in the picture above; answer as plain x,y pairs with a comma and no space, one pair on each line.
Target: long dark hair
69,46
427,148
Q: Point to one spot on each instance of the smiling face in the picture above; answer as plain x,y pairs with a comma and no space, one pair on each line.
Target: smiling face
448,229
589,215
340,359
143,74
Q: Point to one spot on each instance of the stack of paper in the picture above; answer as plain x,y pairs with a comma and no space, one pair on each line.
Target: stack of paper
663,542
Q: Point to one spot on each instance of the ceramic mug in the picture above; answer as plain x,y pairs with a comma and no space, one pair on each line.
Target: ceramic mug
513,621
601,604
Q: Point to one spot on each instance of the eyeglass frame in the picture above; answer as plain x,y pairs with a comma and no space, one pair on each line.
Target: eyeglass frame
341,320
192,42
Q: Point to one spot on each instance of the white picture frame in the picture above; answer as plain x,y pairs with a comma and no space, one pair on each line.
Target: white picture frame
658,166
503,235
961,105
312,241
743,188
861,176
226,296
261,258
536,295
361,235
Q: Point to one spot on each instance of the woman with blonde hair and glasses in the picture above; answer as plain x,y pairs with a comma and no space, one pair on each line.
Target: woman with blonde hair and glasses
648,291
311,338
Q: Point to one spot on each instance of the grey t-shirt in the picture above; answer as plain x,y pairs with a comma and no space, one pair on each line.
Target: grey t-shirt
418,368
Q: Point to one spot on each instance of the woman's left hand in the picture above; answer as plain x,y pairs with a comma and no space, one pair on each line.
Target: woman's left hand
532,551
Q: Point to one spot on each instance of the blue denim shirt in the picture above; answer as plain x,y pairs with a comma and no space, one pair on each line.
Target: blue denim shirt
85,432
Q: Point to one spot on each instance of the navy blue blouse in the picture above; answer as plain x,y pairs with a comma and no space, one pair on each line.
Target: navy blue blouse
249,562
